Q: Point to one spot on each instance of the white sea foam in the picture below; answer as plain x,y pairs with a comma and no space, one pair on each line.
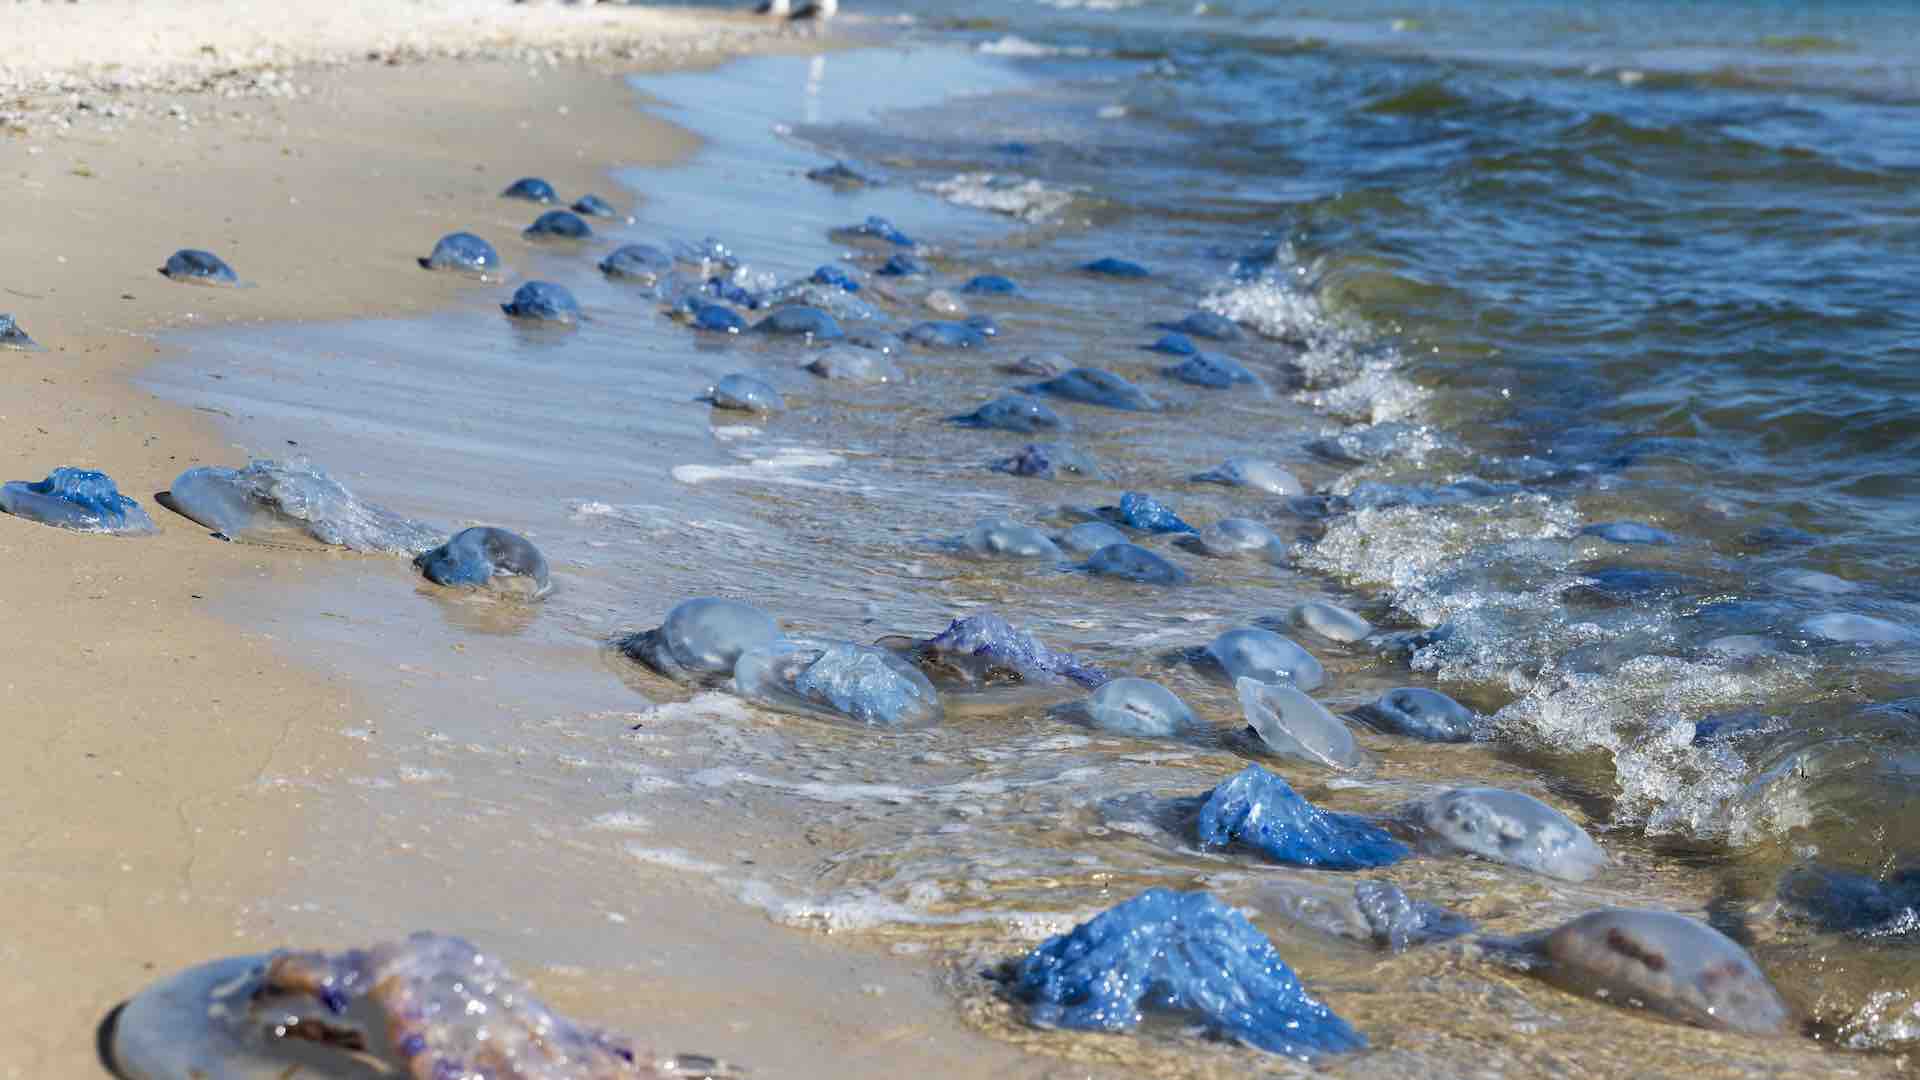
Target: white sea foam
1018,197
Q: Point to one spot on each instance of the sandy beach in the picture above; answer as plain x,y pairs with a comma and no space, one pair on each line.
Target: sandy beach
160,780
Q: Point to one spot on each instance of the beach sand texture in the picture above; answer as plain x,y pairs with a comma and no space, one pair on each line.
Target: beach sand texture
160,764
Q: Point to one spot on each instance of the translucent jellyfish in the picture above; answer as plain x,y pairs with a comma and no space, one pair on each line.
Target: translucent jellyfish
1507,827
12,336
746,393
1174,345
197,267
1130,706
902,266
1291,724
842,175
946,334
1237,538
999,538
801,321
855,366
835,277
1815,581
716,318
1838,901
1263,655
642,263
1330,621
78,499
877,229
543,301
990,285
1145,513
1184,954
701,639
594,206
1112,267
1419,713
1089,537
464,253
1041,364
1132,562
1252,473
1204,324
272,502
558,225
942,302
1377,912
1258,809
1092,386
487,557
1630,532
1052,460
428,1006
1013,412
984,649
1852,629
532,189
1667,963
837,679
1213,371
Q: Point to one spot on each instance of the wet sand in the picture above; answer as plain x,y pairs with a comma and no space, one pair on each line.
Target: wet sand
168,778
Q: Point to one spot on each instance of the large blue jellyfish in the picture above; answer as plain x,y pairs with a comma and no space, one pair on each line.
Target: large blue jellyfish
196,267
1419,713
990,285
1173,345
559,224
1146,513
484,556
530,188
902,266
701,639
1215,371
78,499
874,228
271,502
643,263
837,679
1182,953
1132,706
1093,386
463,252
1012,412
801,321
1132,562
543,301
1256,808
746,393
1204,324
984,649
836,277
715,318
1119,268
947,334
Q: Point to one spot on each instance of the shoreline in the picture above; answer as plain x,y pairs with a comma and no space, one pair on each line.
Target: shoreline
185,828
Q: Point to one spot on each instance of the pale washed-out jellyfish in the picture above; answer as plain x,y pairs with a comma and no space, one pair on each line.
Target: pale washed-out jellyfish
1012,412
1419,713
1089,537
1376,912
1291,724
1263,655
1330,621
643,263
1131,562
196,267
848,364
1131,706
838,680
464,253
983,650
701,639
1092,386
428,1006
79,499
1237,538
745,393
1252,473
999,538
1661,961
271,502
487,557
1507,827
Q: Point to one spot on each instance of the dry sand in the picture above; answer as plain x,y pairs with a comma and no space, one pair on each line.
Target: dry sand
153,790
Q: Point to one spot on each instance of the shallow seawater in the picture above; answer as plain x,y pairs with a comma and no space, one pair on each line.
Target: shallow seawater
1505,273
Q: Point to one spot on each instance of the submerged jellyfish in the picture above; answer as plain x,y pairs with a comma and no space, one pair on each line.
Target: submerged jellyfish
1112,267
1145,513
78,499
1839,901
463,252
942,302
1290,723
1507,827
1090,536
1204,324
1376,912
834,277
428,1006
484,556
841,174
1051,459
1186,954
1213,371
559,224
855,365
837,679
799,320
1678,967
1174,345
594,206
717,318
701,639
1630,532
12,336
984,649
1092,386
1330,621
999,538
638,262
1258,809
197,267
1233,538
530,188
1130,706
1262,655
270,502
1012,412
902,266
1133,563
1041,364
1252,473
543,301
874,228
1852,629
990,285
943,334
1419,713
744,392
